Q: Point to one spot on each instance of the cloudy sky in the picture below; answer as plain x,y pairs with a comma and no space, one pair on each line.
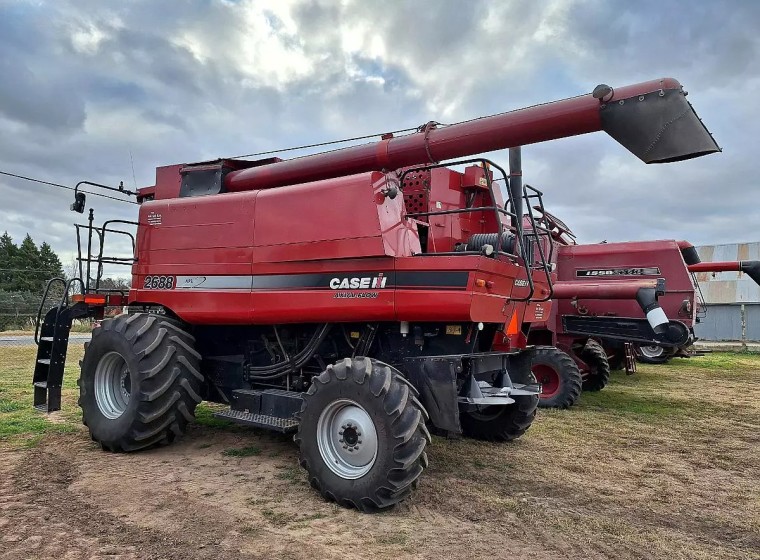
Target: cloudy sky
88,86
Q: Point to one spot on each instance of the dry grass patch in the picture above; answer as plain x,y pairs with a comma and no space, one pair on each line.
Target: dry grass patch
662,464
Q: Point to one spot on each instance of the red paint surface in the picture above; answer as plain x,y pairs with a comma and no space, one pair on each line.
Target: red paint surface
609,290
717,266
344,225
664,254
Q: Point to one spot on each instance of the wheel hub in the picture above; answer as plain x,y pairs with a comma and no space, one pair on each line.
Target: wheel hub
350,436
347,439
548,378
113,385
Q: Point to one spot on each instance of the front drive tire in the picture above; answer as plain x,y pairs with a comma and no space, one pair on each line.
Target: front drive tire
502,423
362,435
599,374
140,382
559,376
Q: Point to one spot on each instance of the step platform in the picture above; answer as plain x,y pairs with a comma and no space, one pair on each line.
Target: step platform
282,425
271,409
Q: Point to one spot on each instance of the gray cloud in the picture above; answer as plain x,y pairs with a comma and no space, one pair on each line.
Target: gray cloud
85,83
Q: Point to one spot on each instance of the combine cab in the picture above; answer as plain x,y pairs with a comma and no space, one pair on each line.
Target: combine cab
355,298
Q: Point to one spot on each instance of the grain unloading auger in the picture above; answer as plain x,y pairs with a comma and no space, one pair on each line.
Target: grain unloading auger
750,268
352,297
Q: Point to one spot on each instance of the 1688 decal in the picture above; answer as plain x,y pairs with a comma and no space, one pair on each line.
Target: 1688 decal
158,283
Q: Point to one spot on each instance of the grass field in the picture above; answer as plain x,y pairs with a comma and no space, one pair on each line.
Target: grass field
663,464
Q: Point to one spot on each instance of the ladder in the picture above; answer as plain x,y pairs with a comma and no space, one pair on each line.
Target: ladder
52,337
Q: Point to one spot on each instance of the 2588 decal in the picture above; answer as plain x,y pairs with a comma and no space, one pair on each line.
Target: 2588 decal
158,283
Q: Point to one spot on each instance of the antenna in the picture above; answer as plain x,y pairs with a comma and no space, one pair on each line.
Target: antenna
131,161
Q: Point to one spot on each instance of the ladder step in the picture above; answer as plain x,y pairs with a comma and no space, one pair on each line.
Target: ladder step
282,425
44,361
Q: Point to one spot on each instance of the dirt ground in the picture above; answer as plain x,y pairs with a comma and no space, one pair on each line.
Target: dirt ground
659,465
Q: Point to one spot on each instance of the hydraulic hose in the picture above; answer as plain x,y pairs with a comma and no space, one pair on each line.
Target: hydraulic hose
268,373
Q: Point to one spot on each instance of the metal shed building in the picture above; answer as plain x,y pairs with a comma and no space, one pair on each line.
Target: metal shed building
732,299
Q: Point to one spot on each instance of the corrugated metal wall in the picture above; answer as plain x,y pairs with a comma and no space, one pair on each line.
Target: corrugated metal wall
732,298
729,287
735,322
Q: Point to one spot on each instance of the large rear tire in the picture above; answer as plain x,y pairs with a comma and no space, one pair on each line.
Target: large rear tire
140,382
599,368
362,435
559,376
502,423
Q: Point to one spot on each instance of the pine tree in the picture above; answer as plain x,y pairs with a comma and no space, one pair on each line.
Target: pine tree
8,252
50,262
29,260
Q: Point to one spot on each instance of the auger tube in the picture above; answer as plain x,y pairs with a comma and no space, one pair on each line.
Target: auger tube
646,293
651,119
624,289
750,268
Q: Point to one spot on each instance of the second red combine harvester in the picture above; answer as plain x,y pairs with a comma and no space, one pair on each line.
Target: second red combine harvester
590,330
318,296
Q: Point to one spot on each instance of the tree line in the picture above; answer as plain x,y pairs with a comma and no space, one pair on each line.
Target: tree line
27,267
24,270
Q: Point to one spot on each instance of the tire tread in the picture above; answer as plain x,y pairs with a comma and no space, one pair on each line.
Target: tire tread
169,382
409,435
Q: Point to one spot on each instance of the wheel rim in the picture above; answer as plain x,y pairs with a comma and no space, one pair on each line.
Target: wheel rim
651,351
113,385
347,439
548,377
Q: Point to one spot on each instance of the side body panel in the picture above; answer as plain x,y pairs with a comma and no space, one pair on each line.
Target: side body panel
627,261
329,251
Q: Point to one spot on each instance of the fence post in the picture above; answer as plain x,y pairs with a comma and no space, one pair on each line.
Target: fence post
744,328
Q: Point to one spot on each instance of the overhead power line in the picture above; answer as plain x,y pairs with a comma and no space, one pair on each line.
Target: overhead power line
48,270
394,132
40,181
322,144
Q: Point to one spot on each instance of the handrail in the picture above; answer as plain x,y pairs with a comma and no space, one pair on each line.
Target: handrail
42,305
64,302
498,211
89,258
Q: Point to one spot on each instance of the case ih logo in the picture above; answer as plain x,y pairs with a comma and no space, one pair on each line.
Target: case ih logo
648,271
356,283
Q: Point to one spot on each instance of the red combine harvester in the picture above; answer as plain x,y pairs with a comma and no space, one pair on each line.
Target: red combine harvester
350,297
594,328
